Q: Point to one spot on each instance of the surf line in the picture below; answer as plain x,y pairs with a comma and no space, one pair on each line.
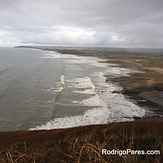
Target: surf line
95,100
98,115
103,105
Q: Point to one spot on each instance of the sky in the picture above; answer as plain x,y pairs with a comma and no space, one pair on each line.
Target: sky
106,23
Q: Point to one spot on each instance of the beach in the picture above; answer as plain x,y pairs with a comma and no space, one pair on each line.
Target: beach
135,95
144,86
81,81
44,89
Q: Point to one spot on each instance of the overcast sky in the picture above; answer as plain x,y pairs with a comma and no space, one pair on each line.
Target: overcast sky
112,23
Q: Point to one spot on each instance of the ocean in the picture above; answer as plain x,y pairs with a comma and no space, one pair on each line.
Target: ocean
47,90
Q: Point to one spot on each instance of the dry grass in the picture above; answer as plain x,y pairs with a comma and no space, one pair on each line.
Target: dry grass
84,144
152,63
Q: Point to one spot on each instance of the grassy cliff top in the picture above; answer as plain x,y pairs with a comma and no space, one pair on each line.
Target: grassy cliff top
84,144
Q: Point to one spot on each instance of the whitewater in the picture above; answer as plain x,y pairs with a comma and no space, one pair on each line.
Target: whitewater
47,90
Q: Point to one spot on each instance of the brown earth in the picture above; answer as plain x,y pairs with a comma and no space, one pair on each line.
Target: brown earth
149,80
84,144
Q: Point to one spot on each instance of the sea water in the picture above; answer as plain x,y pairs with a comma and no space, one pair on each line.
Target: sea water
47,90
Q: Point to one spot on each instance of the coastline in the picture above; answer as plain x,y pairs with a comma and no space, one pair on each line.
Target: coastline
85,143
145,87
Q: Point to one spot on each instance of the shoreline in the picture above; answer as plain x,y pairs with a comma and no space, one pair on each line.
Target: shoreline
85,143
145,88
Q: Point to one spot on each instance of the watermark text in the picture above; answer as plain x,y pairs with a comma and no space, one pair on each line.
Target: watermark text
130,151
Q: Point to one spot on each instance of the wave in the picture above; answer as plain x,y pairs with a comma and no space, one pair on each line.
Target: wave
98,115
92,116
62,80
107,106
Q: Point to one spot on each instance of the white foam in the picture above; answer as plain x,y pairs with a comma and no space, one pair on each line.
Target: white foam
119,72
120,108
60,89
92,116
89,62
52,55
62,80
59,85
93,101
98,115
108,106
89,87
102,85
81,83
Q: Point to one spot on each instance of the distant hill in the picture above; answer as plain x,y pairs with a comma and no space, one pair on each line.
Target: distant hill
111,49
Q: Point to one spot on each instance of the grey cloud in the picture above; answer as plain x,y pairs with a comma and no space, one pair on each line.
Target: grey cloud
126,23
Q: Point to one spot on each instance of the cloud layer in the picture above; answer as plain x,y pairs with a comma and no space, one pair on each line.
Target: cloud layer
118,23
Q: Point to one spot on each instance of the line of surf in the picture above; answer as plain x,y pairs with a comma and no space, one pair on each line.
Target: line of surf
98,115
